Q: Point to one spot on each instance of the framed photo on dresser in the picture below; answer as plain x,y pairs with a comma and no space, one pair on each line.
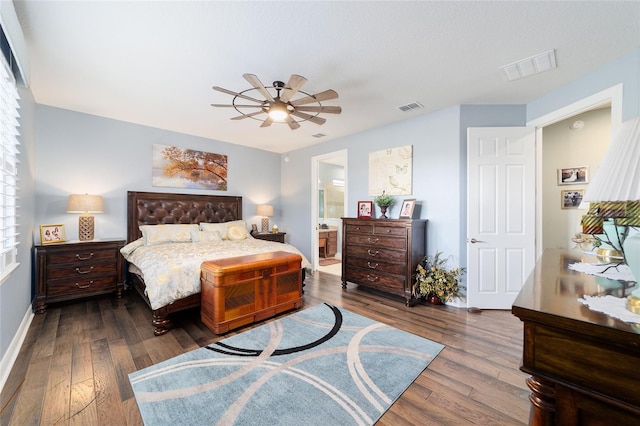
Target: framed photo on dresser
50,234
406,211
365,209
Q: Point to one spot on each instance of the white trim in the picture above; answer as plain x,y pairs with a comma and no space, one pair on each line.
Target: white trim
612,95
9,358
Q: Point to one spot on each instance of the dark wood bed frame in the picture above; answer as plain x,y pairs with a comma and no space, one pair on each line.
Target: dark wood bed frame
154,208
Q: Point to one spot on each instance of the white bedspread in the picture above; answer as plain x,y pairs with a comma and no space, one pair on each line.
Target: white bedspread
172,271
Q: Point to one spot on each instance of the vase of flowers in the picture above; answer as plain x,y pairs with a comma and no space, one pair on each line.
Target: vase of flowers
383,201
435,281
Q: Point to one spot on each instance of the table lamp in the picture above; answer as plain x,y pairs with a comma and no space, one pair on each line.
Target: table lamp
615,190
85,204
265,210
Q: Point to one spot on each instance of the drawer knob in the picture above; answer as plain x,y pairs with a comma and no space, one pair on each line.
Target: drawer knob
86,271
373,278
84,258
84,286
375,240
372,266
371,253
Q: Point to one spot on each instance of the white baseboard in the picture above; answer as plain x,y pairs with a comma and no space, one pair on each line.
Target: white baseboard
9,358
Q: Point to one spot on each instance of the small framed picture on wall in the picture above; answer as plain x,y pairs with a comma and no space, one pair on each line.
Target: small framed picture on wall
571,198
51,234
573,175
365,209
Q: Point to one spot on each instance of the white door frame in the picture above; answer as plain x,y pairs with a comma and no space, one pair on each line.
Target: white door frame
612,95
315,161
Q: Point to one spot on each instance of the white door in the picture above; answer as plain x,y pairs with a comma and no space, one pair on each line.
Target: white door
501,214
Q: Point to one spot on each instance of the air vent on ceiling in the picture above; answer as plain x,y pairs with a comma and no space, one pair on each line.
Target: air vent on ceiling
530,66
410,106
319,135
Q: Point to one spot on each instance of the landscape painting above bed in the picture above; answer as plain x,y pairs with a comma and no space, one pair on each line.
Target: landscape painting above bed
168,238
186,168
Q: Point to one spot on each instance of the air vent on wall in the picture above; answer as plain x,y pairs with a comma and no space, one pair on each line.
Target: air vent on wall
410,106
319,135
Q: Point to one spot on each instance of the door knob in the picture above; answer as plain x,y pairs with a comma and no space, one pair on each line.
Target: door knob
473,241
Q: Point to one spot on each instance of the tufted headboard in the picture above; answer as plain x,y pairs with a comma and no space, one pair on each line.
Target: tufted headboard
155,208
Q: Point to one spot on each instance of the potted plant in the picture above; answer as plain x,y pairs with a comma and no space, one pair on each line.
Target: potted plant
383,201
435,282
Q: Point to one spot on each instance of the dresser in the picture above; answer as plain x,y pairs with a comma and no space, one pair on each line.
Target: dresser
77,269
330,237
583,364
382,254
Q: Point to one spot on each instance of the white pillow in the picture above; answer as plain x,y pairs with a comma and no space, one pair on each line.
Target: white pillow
129,248
205,236
223,227
161,234
236,232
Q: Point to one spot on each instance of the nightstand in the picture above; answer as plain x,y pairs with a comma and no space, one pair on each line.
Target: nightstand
270,236
73,270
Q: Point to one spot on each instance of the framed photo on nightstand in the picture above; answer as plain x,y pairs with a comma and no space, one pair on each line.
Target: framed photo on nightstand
50,234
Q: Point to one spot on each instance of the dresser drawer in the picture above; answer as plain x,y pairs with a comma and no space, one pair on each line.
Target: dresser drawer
394,284
375,265
377,254
81,287
359,229
81,256
389,230
80,270
373,241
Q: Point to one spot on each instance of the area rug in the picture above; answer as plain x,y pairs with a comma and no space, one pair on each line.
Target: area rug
328,262
319,366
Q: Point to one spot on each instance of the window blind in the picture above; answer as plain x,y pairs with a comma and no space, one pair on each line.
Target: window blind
9,144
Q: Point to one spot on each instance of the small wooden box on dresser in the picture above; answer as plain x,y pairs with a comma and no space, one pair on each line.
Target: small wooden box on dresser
382,253
73,270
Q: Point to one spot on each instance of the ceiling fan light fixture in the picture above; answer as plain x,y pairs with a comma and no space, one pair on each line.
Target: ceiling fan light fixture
278,112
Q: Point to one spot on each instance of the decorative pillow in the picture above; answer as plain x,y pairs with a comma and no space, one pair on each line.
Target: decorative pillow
222,228
129,248
161,234
236,232
205,236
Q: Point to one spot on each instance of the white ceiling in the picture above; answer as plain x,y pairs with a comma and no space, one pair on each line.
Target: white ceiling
154,62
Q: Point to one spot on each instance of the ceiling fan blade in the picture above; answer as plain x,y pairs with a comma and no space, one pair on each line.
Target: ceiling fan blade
236,106
232,93
267,122
325,109
293,124
294,84
322,96
257,84
311,118
240,117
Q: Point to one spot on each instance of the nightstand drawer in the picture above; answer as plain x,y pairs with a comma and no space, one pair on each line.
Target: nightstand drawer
82,255
80,287
82,270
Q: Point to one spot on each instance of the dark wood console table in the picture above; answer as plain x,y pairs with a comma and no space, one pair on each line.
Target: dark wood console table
584,365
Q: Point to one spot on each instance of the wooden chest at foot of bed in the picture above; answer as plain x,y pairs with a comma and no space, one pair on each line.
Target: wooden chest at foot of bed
241,290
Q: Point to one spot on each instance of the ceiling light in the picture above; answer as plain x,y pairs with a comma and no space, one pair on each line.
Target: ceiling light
530,66
278,111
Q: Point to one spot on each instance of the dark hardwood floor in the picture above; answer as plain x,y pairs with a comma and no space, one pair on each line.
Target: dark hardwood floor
73,366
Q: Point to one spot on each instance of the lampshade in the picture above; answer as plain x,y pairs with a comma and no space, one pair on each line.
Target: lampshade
264,210
618,177
85,203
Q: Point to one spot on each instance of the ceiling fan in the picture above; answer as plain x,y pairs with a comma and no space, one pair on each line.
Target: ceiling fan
284,105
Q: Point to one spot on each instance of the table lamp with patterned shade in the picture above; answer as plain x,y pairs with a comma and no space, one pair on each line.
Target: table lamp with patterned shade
614,194
85,204
265,210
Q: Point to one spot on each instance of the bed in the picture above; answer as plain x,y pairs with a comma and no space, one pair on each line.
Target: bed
190,212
